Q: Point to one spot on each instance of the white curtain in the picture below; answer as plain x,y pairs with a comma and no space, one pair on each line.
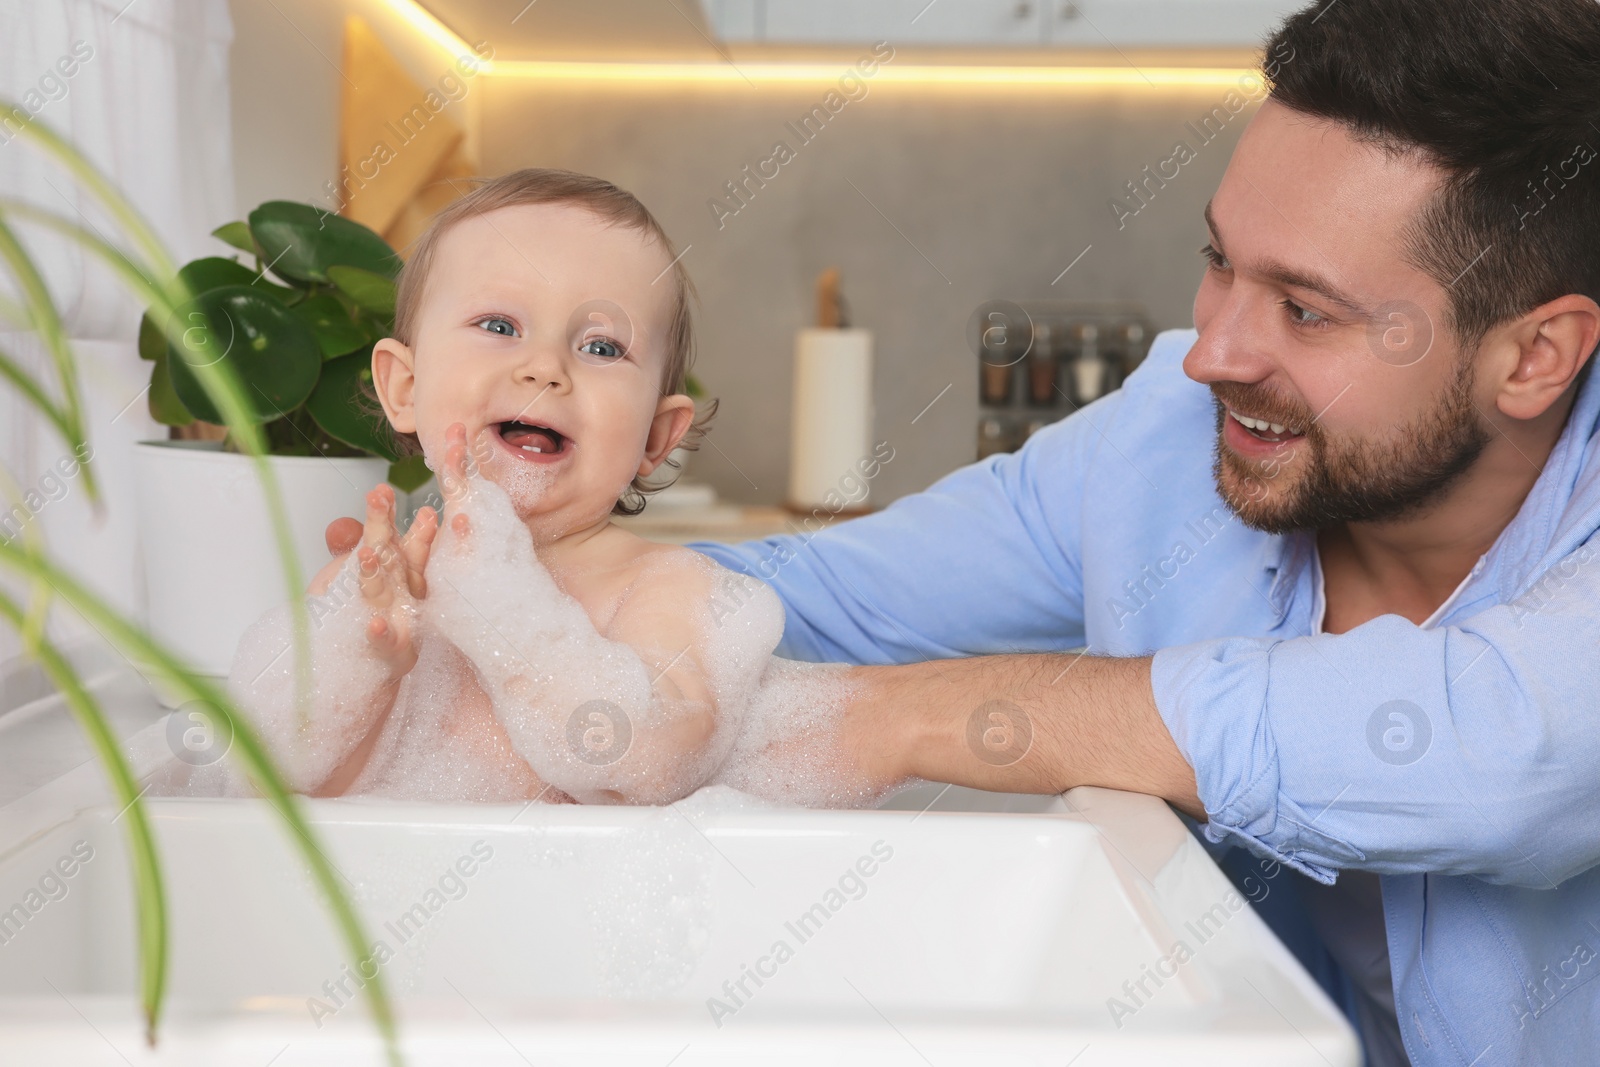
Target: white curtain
141,88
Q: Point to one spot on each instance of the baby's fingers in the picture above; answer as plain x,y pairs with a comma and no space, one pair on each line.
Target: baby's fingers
414,549
386,639
374,578
378,526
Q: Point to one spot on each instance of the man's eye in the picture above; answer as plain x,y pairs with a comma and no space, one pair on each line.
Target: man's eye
503,327
1215,259
1300,316
601,347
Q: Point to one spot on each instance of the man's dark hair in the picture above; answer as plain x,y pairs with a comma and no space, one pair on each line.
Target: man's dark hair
1504,96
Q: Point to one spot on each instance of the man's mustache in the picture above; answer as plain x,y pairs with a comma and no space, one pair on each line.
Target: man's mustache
1260,404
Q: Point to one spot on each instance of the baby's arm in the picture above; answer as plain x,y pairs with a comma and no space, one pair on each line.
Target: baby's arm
642,713
363,641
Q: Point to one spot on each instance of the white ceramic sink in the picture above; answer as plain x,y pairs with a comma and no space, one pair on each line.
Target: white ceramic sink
704,933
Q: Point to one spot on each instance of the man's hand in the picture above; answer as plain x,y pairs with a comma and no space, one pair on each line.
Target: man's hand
1036,723
343,535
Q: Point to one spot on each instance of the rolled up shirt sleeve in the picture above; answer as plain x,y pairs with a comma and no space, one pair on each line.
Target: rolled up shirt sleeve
1469,749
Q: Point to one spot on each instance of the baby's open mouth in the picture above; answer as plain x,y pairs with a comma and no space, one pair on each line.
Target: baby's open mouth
531,438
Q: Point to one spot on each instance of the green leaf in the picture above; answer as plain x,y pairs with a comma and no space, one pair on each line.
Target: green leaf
301,242
213,272
236,234
274,354
409,474
340,407
337,333
201,276
165,407
152,342
371,292
154,262
149,889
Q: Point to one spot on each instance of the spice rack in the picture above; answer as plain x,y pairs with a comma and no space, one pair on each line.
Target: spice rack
1039,361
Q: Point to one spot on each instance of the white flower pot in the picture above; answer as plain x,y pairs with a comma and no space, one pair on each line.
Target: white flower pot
211,564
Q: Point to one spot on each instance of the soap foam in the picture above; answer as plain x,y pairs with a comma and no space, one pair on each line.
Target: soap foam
524,483
346,673
541,660
462,728
790,749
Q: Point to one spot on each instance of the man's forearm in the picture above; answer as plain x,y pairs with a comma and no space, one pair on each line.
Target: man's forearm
1040,723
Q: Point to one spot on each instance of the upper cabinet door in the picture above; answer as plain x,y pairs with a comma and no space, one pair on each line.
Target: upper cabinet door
837,22
1001,23
1164,23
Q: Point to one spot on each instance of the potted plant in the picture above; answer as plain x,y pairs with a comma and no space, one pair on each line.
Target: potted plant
296,326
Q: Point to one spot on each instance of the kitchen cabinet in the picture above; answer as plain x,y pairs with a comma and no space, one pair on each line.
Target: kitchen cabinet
1000,23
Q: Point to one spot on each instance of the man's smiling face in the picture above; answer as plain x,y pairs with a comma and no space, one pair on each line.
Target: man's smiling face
1311,319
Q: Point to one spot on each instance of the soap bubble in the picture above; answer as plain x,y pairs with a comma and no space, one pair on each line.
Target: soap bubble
999,732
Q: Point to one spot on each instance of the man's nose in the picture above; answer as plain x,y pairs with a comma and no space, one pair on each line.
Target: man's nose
1232,346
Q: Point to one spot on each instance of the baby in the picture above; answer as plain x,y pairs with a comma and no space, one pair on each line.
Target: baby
523,647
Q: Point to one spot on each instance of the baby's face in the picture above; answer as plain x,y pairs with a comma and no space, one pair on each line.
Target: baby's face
543,330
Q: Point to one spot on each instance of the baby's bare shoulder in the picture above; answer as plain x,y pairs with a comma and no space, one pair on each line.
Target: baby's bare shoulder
674,570
701,592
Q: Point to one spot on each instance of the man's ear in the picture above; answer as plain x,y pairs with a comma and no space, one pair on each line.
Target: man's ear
395,382
674,415
1551,344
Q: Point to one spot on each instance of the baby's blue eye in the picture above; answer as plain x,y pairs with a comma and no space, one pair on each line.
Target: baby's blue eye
601,347
503,327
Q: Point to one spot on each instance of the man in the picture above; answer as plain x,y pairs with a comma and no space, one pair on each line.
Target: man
1333,556
1375,607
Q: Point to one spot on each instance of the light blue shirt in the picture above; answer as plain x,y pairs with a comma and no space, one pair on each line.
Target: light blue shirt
1460,761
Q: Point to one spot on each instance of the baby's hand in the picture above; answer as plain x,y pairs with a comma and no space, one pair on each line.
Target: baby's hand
484,565
455,479
390,569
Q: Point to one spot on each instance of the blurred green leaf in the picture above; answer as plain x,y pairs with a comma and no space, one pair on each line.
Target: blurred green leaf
152,342
236,234
229,391
165,407
337,333
301,242
371,292
274,354
150,890
340,407
409,474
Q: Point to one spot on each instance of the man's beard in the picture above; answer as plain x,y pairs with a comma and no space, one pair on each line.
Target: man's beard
1330,482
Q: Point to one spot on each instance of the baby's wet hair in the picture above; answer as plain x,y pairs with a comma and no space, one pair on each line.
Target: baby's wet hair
540,185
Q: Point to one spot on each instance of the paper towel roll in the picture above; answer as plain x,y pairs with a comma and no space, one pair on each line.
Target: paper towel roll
831,423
